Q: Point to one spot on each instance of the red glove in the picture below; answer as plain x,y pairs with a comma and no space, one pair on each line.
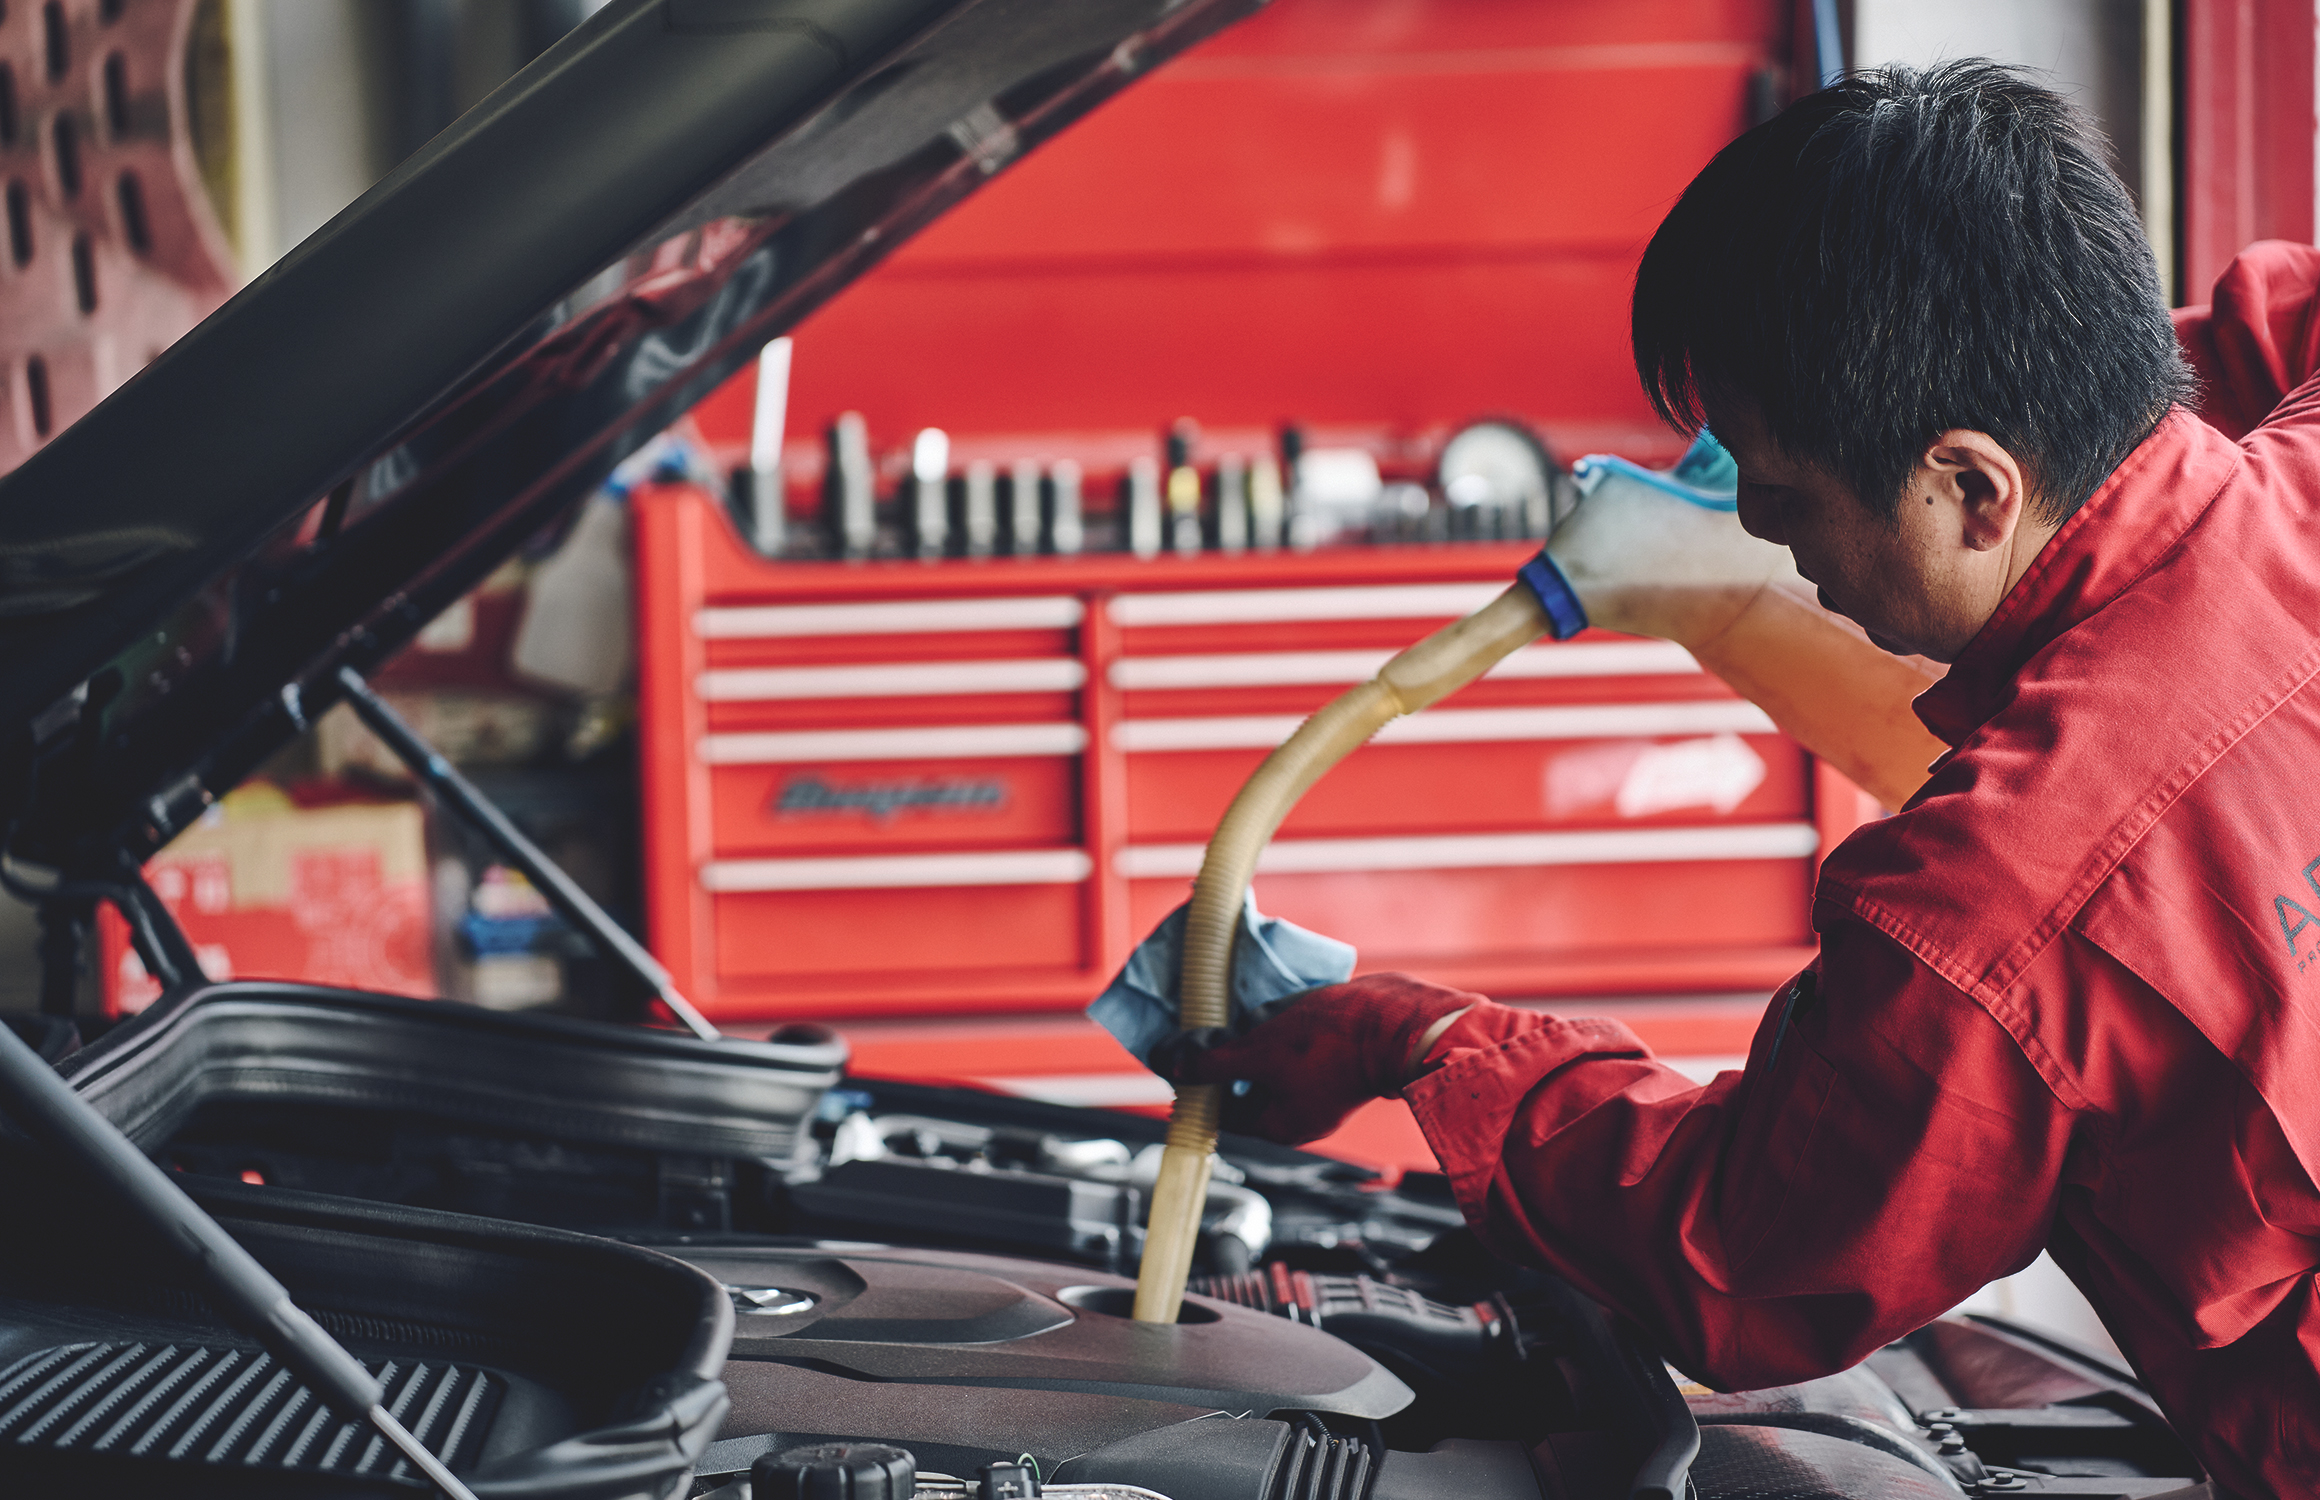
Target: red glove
1317,1059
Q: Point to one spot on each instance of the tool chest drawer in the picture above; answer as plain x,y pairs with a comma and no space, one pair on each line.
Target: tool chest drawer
1481,788
893,787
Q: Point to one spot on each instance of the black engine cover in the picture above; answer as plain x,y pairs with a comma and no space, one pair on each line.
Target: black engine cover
1029,1358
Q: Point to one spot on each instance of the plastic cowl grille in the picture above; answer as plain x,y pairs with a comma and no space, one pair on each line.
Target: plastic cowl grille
1323,1468
1773,1463
1247,1288
196,1404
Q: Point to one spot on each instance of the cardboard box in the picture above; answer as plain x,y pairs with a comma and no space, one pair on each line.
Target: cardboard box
268,890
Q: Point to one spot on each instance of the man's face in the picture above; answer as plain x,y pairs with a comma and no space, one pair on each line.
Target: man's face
1903,579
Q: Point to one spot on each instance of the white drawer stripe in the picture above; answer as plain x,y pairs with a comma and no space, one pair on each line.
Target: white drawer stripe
895,871
731,623
929,742
1268,668
1613,846
1089,1090
1395,601
1039,674
1578,721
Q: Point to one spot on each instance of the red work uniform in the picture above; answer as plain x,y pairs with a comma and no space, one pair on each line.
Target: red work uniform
2067,999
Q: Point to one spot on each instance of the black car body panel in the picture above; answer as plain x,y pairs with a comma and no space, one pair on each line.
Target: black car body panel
371,426
118,1376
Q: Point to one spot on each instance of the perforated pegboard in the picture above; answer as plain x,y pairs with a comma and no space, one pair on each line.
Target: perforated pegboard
109,249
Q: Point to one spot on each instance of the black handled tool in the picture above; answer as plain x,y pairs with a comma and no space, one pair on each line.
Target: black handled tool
442,778
253,1298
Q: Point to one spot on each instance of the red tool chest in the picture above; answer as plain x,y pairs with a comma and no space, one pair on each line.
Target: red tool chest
890,786
896,787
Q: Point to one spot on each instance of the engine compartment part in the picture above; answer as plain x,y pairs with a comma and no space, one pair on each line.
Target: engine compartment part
274,1062
439,1107
1559,1402
117,1373
994,1484
1411,1334
851,1471
889,1320
1284,1461
228,1276
1244,1460
946,1272
1066,1216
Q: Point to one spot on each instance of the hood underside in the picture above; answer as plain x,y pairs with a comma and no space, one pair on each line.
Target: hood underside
364,432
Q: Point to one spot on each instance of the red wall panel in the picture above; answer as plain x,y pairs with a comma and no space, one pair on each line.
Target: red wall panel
2248,127
1336,157
1395,214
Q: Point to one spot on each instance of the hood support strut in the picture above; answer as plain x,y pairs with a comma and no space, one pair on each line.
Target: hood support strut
573,904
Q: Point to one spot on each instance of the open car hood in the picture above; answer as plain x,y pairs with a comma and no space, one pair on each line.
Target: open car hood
370,427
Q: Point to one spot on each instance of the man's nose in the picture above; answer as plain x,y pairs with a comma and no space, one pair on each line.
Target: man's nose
1760,514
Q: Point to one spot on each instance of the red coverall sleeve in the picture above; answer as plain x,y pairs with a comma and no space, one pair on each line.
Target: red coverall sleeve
2258,339
1780,1223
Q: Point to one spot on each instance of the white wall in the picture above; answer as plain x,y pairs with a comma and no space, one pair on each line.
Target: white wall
2110,56
2042,1297
322,73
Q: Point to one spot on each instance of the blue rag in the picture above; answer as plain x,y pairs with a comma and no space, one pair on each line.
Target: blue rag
1272,960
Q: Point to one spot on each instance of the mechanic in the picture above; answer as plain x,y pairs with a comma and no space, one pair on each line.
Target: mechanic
2068,998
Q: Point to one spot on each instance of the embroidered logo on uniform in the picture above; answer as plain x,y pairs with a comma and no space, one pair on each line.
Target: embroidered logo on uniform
2294,915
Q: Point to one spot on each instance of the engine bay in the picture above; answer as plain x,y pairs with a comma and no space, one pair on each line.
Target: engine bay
948,1273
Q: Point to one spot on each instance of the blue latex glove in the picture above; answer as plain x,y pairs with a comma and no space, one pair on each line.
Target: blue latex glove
1576,561
1657,552
1706,475
1272,960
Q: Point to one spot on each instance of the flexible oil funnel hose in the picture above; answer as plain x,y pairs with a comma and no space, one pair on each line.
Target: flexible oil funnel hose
1432,669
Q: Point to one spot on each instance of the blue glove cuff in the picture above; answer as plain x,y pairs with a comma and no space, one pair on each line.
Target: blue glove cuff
1553,591
1720,476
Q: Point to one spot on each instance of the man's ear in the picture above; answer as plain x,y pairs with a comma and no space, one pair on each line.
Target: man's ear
1983,483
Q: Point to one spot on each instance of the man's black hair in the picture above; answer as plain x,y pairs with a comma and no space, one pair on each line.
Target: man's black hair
1908,252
